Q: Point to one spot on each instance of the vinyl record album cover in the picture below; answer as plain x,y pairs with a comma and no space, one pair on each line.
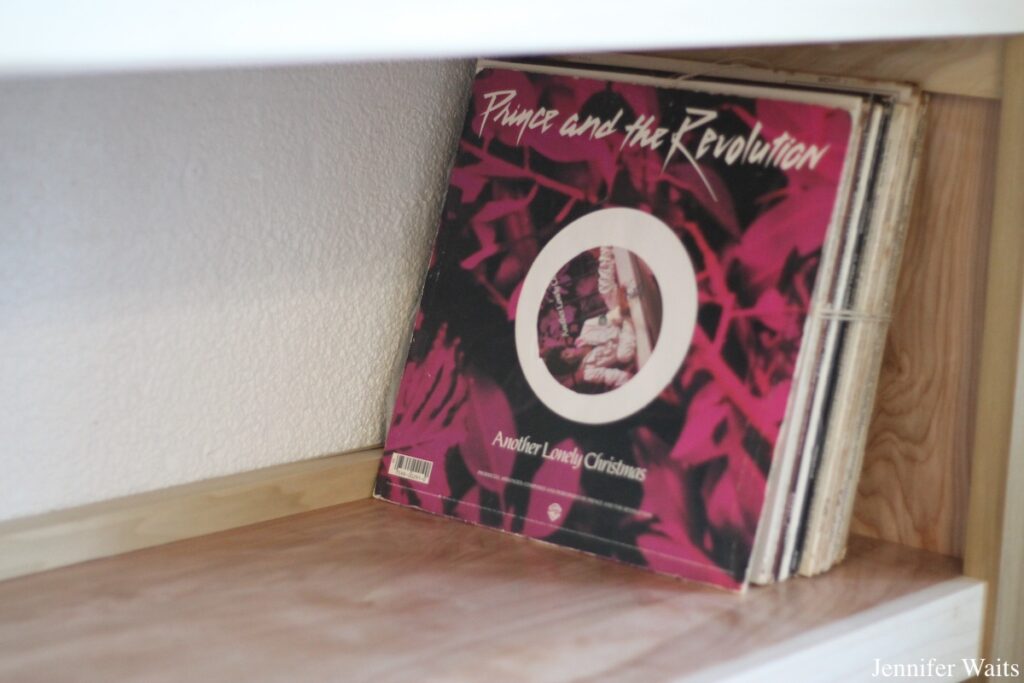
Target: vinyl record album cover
613,311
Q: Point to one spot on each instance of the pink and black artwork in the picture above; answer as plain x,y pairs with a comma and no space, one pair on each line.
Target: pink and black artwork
674,232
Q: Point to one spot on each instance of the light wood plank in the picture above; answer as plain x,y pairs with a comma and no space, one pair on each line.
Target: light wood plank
959,66
369,591
988,541
1008,625
901,632
60,538
914,485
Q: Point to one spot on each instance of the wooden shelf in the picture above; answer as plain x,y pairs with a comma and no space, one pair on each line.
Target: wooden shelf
367,591
63,36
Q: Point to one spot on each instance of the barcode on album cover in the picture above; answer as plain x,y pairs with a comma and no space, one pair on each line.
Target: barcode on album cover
408,467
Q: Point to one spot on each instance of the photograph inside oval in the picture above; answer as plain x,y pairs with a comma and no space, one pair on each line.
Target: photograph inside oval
599,320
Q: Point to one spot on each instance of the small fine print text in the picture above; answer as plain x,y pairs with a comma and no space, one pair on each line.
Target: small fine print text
933,668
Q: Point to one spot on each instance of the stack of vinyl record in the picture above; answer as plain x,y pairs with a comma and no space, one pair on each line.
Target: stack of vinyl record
655,310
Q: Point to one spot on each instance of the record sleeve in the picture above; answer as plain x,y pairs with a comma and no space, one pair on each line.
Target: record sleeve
614,310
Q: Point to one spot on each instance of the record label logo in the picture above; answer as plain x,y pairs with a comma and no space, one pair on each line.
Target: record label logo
554,512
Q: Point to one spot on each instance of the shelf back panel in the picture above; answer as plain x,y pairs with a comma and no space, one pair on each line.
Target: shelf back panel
915,482
958,66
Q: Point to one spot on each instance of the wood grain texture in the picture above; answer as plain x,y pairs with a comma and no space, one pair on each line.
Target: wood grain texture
57,539
959,66
995,496
370,591
914,485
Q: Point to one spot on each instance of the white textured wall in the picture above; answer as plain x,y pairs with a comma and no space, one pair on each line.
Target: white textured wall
205,273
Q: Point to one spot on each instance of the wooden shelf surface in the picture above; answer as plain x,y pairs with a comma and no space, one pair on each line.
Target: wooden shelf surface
369,591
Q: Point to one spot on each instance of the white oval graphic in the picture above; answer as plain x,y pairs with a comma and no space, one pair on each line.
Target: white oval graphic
653,242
